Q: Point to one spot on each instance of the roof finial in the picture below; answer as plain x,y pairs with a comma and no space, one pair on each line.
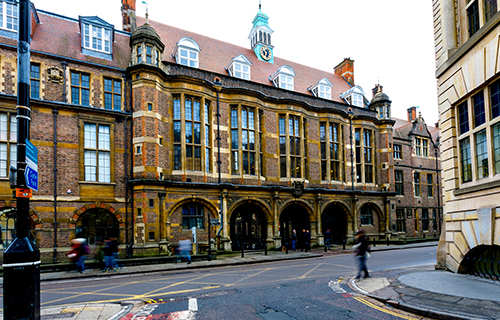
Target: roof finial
147,14
260,5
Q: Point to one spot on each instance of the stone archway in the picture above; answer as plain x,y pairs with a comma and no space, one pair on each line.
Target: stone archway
295,216
95,225
334,218
482,261
248,227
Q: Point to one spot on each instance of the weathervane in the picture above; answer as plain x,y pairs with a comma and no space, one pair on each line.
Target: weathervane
146,9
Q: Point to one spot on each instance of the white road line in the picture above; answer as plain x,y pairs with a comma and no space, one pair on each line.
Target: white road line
335,285
193,304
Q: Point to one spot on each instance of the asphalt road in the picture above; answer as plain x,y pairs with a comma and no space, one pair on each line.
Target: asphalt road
296,289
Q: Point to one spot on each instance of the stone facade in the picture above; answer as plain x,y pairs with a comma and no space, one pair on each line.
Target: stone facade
467,73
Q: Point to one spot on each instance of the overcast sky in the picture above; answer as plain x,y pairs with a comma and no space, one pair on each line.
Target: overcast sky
390,41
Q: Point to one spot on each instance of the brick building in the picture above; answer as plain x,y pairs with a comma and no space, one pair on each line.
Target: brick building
417,177
146,133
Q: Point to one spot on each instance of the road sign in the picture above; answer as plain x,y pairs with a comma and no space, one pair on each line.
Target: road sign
31,172
31,155
214,222
31,177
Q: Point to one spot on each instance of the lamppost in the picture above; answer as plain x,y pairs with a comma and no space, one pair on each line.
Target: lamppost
21,285
351,115
218,83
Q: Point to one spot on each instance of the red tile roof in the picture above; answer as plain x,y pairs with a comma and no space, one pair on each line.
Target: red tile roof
60,36
215,56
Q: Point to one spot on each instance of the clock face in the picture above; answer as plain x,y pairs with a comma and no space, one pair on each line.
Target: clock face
265,53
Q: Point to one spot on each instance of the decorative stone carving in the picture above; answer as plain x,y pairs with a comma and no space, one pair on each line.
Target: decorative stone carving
55,74
298,188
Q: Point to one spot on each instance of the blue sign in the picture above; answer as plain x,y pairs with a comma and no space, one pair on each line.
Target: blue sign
31,155
31,176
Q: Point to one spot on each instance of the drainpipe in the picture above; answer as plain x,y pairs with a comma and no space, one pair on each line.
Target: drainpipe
218,82
125,161
131,175
55,112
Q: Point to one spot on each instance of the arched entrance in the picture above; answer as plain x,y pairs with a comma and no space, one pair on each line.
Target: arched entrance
96,225
248,227
293,217
334,217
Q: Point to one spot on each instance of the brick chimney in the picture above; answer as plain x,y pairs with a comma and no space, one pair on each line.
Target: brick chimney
345,69
412,114
128,15
375,90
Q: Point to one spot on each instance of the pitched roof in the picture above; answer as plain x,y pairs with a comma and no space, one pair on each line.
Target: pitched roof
58,35
402,129
215,55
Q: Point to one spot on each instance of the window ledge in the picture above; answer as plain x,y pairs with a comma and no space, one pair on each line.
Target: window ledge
97,182
484,186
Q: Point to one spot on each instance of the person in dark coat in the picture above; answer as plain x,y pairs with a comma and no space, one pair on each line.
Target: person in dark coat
328,237
307,241
362,249
294,240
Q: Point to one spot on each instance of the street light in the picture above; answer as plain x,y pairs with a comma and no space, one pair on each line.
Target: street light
351,115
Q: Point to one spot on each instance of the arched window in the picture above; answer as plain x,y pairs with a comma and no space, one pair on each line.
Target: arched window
187,52
96,225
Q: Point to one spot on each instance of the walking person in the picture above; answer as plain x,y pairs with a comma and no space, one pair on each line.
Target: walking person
110,253
294,240
307,241
362,251
79,250
328,237
301,239
185,249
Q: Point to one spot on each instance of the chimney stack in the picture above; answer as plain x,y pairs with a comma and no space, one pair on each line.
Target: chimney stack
128,15
412,114
345,69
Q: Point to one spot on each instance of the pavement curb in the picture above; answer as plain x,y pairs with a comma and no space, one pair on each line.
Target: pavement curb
426,312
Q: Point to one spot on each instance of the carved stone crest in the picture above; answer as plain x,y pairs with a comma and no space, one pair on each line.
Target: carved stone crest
298,188
55,74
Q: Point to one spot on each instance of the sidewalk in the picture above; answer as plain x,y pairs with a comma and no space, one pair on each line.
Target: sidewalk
423,290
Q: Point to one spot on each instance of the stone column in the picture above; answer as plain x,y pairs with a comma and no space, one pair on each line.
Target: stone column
277,237
225,240
162,228
449,30
320,239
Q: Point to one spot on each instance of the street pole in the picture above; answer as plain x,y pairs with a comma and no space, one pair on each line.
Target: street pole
21,284
351,115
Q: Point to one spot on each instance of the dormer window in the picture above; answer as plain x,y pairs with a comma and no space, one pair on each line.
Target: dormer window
354,96
240,67
97,37
283,78
322,89
8,16
187,52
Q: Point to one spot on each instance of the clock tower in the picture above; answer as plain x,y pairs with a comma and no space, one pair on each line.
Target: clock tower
260,37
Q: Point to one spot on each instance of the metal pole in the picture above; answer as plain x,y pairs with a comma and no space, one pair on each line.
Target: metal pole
351,115
55,112
218,82
21,285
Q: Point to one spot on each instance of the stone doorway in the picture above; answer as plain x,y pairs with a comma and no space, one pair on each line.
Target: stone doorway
334,217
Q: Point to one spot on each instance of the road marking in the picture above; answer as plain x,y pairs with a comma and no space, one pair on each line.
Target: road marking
335,286
308,272
193,304
371,305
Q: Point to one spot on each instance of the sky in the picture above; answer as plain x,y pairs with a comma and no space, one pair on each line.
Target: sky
390,41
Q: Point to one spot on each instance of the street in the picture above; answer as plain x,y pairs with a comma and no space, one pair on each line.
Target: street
296,289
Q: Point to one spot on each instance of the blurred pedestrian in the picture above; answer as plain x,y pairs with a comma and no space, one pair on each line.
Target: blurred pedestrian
99,254
328,237
110,254
185,250
294,240
302,240
307,241
362,252
79,250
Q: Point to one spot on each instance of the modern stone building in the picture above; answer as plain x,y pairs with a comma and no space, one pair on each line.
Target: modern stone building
147,133
466,40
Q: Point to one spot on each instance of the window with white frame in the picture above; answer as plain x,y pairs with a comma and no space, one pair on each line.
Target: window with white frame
322,89
96,38
8,143
357,100
97,152
354,96
9,16
284,78
187,52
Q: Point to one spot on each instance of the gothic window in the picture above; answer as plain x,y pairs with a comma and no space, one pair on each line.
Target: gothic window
243,136
290,141
364,155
